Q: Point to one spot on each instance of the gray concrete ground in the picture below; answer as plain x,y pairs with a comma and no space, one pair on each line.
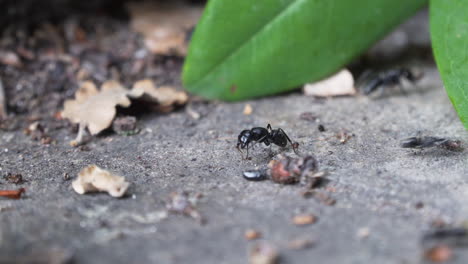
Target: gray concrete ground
376,184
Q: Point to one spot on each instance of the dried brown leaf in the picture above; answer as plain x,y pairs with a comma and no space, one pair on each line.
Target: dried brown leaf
165,24
164,95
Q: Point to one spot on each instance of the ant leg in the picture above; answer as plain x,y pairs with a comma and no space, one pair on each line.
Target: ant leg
240,151
294,145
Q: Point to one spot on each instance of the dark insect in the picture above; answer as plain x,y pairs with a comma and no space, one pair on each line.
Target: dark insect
264,135
387,79
255,175
455,236
420,142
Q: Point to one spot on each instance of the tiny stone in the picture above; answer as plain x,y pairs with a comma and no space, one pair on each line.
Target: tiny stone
305,219
251,234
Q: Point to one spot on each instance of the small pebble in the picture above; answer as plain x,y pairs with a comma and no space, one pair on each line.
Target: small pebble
304,219
252,234
439,254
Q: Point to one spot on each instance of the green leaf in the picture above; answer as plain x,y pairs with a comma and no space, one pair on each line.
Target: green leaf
244,48
449,34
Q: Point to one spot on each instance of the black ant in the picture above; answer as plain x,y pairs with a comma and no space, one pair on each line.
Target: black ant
389,78
264,135
428,142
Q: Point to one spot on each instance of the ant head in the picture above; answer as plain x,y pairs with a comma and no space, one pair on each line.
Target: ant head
243,139
412,76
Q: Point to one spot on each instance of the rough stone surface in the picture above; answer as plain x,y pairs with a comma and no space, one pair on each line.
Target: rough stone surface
376,184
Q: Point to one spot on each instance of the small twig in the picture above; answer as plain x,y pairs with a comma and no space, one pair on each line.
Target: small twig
12,194
3,110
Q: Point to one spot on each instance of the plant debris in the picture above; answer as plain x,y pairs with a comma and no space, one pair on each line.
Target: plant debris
287,170
95,109
247,109
12,194
439,254
125,125
184,203
165,25
304,219
38,133
343,136
14,178
263,253
340,84
95,179
165,97
251,234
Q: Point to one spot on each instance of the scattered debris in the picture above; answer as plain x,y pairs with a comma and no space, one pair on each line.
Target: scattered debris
66,176
420,142
263,253
247,109
125,125
165,25
252,234
363,233
287,170
439,254
304,219
299,244
3,106
419,205
14,178
343,136
308,116
184,203
38,133
340,84
321,128
95,179
95,109
12,194
255,175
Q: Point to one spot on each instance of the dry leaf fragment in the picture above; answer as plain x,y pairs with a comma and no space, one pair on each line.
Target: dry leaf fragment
96,109
342,83
165,25
164,95
252,234
304,219
95,179
247,109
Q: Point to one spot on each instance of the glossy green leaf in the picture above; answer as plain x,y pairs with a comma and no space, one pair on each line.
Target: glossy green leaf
249,48
449,33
